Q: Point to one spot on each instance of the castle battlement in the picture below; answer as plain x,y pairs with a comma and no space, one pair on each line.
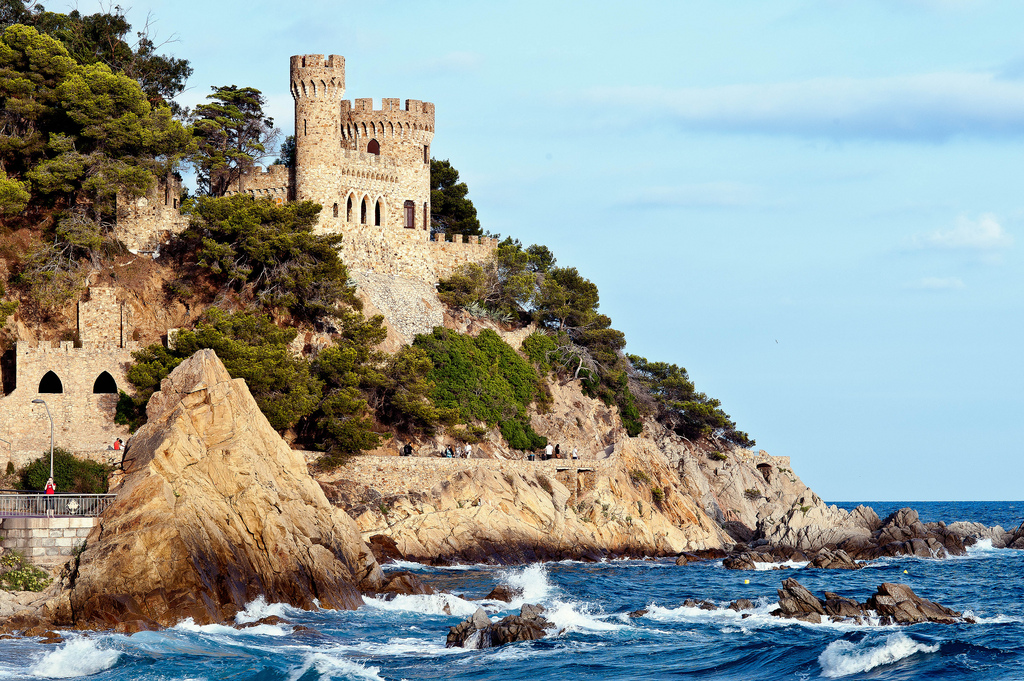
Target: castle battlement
316,77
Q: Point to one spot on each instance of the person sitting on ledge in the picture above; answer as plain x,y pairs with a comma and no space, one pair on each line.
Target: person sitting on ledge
448,453
407,450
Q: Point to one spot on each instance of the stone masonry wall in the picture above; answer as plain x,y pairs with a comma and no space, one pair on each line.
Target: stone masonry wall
143,223
45,541
397,475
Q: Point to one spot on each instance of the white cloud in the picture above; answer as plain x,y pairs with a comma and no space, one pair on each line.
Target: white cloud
982,234
927,107
938,283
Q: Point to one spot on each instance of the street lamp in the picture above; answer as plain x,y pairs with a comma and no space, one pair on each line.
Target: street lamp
43,402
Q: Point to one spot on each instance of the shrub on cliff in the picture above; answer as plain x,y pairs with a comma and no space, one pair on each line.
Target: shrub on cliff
267,252
681,407
450,210
70,474
483,379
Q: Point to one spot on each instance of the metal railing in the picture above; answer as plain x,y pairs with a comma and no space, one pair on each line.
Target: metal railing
64,505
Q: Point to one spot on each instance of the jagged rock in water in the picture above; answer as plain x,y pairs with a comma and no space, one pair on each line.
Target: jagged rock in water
404,584
796,602
834,560
899,602
214,510
741,604
479,632
840,606
503,593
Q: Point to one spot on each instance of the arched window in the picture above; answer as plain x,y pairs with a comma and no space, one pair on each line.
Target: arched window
362,212
335,210
410,214
376,213
51,383
104,384
373,147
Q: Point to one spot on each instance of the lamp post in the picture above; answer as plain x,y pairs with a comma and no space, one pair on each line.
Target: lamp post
43,402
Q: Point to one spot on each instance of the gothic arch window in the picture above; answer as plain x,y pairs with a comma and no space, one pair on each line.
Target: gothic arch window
373,147
335,210
362,212
410,214
51,383
348,209
105,384
377,211
391,129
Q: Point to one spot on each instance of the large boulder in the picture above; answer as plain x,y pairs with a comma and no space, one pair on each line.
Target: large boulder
899,602
796,602
214,510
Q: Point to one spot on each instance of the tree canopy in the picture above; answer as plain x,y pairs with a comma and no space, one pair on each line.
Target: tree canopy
450,211
232,135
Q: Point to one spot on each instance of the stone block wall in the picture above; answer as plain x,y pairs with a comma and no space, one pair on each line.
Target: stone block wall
400,475
45,541
144,223
276,182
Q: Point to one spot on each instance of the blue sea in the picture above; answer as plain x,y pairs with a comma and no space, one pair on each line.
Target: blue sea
593,636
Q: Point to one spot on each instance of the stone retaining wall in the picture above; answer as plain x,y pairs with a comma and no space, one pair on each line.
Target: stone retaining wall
45,541
400,475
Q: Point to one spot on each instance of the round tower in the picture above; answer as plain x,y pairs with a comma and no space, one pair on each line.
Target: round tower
317,85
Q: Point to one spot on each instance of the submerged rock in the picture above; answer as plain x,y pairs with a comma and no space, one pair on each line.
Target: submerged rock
503,593
214,510
834,560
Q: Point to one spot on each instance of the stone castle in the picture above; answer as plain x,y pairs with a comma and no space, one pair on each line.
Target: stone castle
368,168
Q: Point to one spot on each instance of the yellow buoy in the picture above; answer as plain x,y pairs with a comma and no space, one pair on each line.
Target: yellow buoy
905,572
746,581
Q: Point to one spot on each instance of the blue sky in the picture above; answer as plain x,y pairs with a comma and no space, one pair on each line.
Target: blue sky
812,205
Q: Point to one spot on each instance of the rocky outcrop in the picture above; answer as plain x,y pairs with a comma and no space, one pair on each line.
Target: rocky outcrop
213,511
893,603
479,632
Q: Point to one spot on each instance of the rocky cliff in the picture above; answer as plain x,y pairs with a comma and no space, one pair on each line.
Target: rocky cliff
214,510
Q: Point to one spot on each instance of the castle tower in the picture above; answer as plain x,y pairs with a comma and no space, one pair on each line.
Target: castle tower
317,86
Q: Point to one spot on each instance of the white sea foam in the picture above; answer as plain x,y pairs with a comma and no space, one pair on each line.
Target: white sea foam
78,657
532,581
572,617
188,624
434,604
759,617
791,564
843,658
332,667
259,608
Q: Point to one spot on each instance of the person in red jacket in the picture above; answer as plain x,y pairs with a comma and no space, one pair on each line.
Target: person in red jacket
51,488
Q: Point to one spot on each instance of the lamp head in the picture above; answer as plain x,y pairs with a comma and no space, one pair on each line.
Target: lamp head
38,401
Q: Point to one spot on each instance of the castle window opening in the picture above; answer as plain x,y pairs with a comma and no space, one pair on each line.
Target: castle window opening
376,213
51,383
373,147
362,212
304,129
426,215
335,209
426,153
348,210
410,215
105,384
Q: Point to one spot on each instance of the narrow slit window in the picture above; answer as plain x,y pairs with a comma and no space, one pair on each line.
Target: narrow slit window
410,215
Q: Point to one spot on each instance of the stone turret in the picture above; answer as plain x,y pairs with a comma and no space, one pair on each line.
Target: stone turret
317,86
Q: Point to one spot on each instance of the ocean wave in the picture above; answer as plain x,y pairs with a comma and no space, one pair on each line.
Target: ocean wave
78,657
791,564
843,658
189,625
759,617
570,616
332,667
531,582
259,608
434,604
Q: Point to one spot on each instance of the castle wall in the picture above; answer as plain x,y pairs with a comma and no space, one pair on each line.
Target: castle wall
275,182
143,223
385,251
82,419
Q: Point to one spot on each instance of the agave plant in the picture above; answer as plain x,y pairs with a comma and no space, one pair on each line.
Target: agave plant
475,309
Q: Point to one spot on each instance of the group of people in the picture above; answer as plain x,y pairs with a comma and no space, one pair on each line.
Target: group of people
459,452
554,453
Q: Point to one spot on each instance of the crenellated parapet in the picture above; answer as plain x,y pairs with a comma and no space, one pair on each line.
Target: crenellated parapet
275,182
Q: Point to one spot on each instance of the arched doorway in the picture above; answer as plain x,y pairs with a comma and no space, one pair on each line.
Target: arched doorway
373,148
105,384
51,383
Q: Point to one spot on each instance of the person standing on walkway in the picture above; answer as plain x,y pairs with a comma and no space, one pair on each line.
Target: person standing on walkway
548,451
575,453
558,451
469,451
